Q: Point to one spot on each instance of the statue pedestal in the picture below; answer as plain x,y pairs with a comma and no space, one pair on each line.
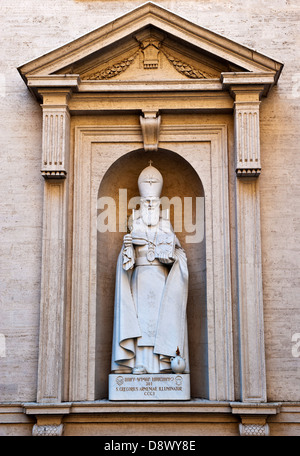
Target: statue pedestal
149,387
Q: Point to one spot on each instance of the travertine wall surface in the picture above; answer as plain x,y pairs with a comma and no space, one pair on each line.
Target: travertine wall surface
31,28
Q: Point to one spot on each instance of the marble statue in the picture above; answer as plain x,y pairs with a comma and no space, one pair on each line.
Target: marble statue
150,324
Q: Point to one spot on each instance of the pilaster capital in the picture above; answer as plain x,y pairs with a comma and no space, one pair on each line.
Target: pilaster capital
246,95
55,96
248,83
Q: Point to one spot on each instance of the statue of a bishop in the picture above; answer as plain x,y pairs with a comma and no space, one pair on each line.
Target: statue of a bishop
151,289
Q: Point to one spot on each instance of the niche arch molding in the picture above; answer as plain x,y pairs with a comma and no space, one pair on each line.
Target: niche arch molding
95,152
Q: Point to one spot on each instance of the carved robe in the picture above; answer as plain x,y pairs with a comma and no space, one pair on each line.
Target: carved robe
150,301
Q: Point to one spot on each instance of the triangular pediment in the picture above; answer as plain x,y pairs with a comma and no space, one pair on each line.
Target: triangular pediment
150,43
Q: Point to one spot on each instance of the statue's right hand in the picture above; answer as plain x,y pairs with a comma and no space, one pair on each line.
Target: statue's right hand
127,240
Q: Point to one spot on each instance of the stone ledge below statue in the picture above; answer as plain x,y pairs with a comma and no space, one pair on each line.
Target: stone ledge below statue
149,387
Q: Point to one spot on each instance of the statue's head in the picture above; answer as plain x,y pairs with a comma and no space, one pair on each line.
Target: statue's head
150,184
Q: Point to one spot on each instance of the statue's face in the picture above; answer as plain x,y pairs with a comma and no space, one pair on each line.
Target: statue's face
150,210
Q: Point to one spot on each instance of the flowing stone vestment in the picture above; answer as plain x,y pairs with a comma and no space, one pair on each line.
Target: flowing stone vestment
150,301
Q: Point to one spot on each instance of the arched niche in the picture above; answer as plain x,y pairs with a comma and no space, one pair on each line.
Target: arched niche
180,181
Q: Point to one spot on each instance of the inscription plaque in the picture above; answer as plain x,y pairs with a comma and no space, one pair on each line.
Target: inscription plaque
151,387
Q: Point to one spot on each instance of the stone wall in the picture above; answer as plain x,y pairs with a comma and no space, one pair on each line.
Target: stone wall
30,29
